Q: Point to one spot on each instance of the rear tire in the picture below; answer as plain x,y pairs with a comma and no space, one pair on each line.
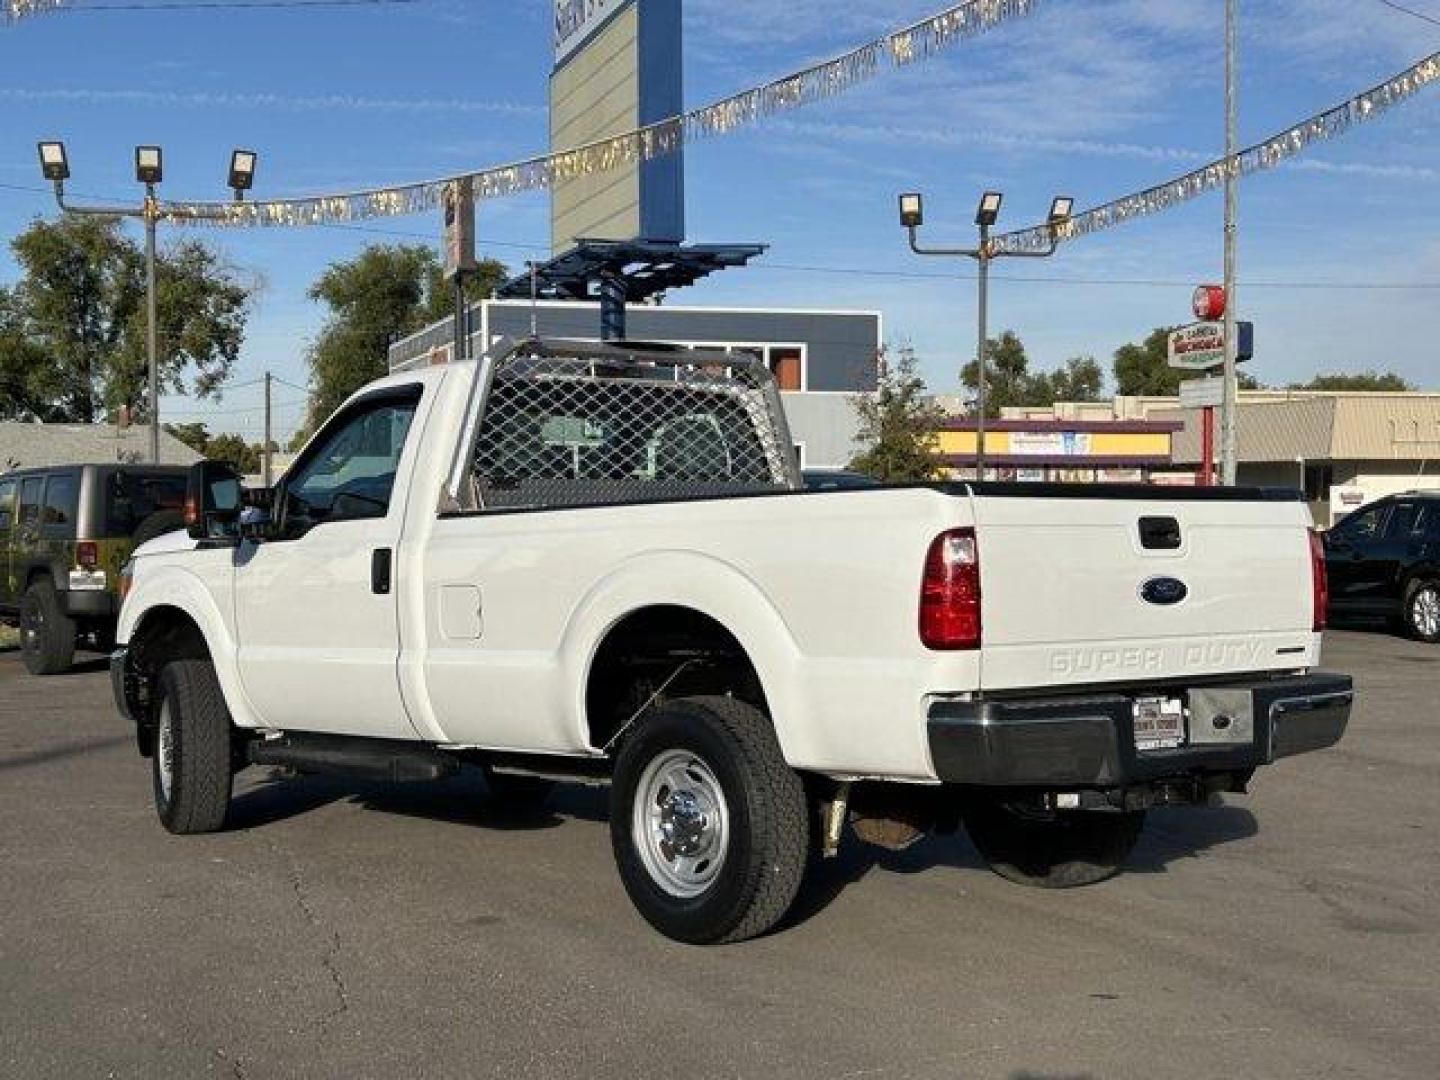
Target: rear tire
47,634
192,766
709,824
1422,611
1059,849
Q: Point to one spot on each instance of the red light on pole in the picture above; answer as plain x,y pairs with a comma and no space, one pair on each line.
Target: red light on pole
1209,303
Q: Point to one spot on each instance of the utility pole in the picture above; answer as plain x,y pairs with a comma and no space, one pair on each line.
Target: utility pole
266,458
150,213
1229,443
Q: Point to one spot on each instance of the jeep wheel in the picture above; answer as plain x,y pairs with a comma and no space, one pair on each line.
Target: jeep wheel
1422,611
1052,849
708,822
192,764
47,634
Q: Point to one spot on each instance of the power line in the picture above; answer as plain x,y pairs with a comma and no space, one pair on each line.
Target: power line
1393,6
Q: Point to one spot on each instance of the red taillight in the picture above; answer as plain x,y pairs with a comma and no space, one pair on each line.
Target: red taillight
87,554
950,592
1319,582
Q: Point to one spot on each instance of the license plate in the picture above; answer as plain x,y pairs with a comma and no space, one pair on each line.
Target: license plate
1159,723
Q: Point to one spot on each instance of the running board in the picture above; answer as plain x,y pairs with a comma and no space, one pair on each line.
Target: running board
346,755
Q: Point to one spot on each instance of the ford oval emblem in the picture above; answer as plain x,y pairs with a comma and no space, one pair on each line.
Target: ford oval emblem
1164,591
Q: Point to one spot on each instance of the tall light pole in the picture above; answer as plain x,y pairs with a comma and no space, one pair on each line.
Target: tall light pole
149,170
912,216
1229,441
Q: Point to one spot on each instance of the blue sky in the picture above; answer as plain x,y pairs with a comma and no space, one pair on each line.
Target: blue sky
1092,98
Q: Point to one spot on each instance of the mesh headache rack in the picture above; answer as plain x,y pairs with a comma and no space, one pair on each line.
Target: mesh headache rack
575,423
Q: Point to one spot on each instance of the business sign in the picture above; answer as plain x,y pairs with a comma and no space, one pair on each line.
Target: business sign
577,21
1201,346
617,68
1207,393
1051,444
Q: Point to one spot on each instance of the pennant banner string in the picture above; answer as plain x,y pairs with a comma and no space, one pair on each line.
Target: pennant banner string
917,42
1268,154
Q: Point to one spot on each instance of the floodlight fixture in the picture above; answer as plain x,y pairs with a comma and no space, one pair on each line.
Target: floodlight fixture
1060,210
148,164
912,210
53,163
989,210
242,171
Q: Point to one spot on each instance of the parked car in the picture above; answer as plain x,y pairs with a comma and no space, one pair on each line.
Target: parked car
65,532
577,559
1384,560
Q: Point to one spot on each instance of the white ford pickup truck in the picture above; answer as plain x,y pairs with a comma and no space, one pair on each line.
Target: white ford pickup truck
574,560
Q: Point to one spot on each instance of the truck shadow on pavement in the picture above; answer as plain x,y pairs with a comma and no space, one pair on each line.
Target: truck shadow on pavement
1171,835
462,800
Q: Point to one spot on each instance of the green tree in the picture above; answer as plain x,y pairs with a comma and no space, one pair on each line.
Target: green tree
1011,384
1143,370
1079,380
1365,380
235,452
384,293
80,305
899,426
31,388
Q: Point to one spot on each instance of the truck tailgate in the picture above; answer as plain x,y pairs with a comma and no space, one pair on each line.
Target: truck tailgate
1080,591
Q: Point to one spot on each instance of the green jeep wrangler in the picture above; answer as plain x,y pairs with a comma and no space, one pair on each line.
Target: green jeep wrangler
65,532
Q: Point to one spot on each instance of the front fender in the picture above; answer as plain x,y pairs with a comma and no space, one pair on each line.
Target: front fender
711,587
203,593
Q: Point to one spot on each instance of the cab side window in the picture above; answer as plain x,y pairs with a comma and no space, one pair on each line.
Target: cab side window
1363,526
1427,522
7,505
1401,520
30,502
350,473
59,505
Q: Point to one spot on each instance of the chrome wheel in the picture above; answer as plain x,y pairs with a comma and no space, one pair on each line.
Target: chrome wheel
165,750
1425,612
681,823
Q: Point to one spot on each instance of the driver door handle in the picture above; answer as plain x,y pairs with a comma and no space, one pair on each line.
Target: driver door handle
380,571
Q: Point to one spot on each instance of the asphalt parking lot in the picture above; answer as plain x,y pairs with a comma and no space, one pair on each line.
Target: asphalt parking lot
357,931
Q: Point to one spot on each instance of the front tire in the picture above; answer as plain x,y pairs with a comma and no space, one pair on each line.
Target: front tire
1422,611
192,766
708,822
1052,849
47,634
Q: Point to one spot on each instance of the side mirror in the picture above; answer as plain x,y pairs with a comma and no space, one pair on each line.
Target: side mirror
212,502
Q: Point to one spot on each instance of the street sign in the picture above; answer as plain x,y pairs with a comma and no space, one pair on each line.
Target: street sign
1201,346
1206,393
